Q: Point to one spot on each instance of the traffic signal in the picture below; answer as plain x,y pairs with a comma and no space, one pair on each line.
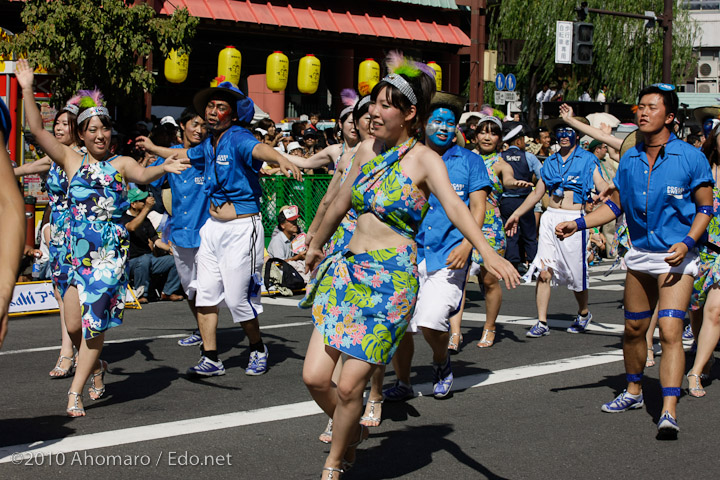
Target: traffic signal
582,43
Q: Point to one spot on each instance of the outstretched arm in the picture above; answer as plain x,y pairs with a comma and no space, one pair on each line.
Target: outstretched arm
136,173
12,235
566,112
322,158
599,216
265,153
458,257
55,150
507,176
330,194
529,203
144,143
41,165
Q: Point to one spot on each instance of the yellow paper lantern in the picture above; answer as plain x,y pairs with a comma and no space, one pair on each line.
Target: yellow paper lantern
438,75
309,74
229,63
368,76
176,67
276,71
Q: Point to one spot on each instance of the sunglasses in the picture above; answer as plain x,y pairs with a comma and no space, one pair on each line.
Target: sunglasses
665,87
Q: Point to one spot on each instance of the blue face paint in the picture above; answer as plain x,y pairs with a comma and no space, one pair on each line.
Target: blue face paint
440,128
568,133
708,126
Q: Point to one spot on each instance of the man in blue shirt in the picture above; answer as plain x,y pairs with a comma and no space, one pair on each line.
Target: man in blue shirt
569,176
189,211
442,251
522,244
230,256
664,186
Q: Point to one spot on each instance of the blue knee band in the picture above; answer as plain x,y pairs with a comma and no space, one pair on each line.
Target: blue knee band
638,315
633,377
671,391
671,312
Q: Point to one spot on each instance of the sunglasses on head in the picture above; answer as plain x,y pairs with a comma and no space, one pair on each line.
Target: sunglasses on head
665,87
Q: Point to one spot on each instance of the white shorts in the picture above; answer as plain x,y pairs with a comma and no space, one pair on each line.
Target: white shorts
439,297
225,265
474,269
654,264
186,265
567,258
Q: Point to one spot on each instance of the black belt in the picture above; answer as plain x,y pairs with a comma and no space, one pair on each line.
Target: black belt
712,247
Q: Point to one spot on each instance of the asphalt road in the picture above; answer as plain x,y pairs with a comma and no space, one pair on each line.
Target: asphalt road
525,408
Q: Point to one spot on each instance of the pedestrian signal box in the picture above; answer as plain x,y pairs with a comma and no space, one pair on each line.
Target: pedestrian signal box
582,43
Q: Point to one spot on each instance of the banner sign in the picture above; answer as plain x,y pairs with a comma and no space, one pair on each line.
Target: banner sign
33,297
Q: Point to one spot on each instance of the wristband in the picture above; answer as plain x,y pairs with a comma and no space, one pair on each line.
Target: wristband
615,209
706,209
689,242
580,222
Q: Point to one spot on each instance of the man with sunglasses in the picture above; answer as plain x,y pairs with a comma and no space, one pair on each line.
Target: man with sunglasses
569,176
664,186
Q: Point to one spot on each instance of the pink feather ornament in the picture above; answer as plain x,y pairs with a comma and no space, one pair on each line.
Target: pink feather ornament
349,97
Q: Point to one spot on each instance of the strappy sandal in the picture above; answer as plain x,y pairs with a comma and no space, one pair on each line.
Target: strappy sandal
364,434
455,346
650,361
76,410
371,418
93,390
484,342
326,436
331,475
63,372
697,391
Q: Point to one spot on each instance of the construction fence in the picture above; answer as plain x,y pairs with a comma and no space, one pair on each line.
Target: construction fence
279,191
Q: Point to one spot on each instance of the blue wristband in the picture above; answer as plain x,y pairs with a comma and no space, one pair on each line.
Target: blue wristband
580,222
615,209
706,209
689,242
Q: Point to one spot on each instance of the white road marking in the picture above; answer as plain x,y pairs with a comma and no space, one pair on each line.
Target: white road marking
282,412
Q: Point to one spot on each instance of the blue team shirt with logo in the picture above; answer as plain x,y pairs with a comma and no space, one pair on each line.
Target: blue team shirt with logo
658,204
438,236
575,174
190,205
231,173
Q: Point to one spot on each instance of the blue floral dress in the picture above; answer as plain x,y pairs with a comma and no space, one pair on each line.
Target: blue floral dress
361,303
98,244
493,227
709,254
57,188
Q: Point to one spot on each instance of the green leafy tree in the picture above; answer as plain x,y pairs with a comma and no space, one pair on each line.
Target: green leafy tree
626,54
99,43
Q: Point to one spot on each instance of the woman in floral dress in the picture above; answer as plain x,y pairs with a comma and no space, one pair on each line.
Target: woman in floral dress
365,293
98,246
501,175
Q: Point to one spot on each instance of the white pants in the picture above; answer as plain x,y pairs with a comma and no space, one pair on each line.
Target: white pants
186,265
567,258
653,263
230,253
439,297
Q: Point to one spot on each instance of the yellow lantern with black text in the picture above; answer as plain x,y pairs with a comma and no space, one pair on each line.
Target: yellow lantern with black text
276,71
229,63
308,74
176,67
368,76
438,75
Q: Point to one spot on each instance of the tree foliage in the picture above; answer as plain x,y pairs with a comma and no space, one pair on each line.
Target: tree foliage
626,54
99,43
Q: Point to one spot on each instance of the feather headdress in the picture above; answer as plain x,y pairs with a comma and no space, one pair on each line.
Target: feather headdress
349,98
91,102
399,64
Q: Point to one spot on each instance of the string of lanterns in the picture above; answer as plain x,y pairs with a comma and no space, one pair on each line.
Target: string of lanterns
277,71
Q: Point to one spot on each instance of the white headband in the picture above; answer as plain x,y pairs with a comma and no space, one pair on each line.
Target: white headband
74,109
401,84
93,112
346,110
363,101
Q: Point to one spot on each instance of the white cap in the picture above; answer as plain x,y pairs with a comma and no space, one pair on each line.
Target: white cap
304,118
168,119
292,146
262,132
512,133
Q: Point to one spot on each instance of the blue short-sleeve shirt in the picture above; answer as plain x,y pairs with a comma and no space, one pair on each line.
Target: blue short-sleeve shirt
658,203
575,174
190,205
231,173
438,236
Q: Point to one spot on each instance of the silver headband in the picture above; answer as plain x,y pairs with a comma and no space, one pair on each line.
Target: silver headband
488,118
401,84
363,101
346,110
74,109
93,112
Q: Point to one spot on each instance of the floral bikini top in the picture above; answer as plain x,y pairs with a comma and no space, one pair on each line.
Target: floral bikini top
497,187
383,189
